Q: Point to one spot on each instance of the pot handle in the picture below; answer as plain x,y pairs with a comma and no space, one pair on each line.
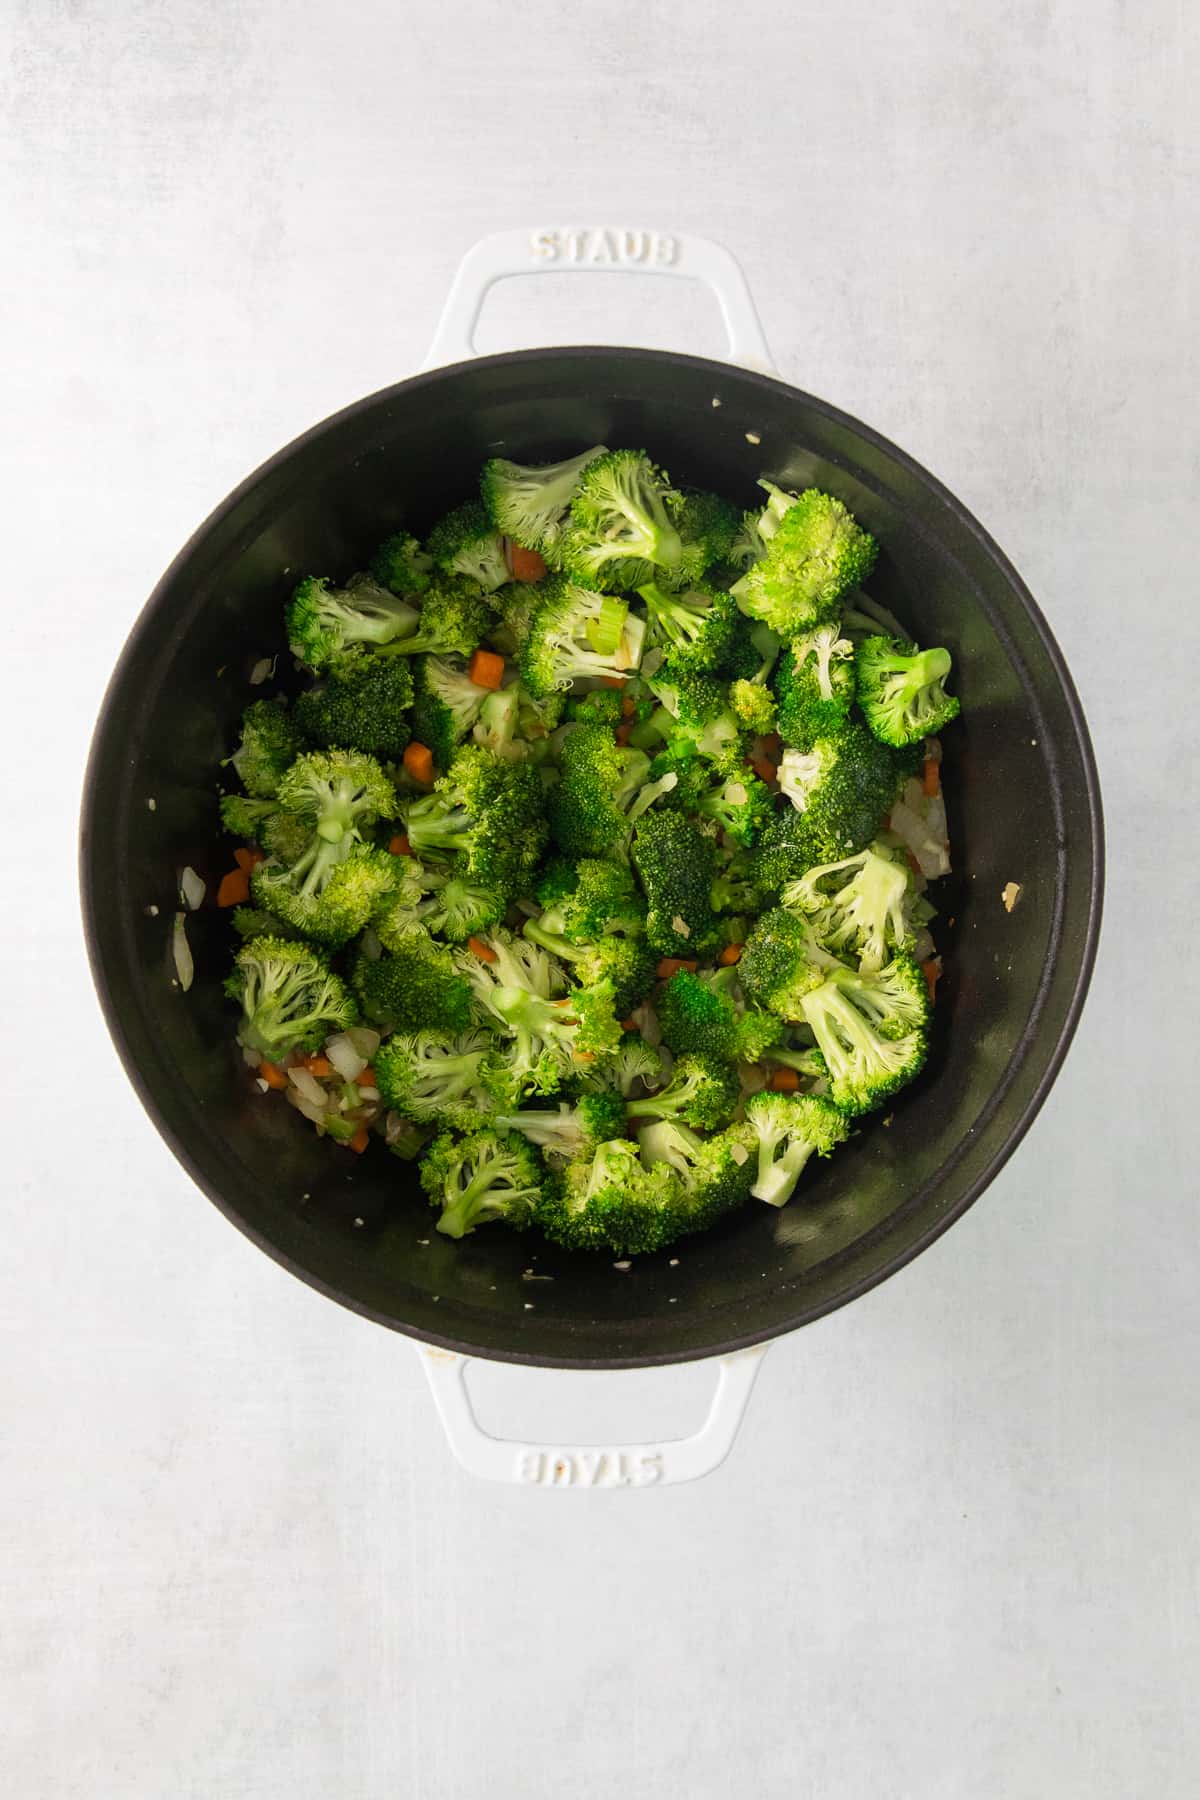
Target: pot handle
597,250
591,1465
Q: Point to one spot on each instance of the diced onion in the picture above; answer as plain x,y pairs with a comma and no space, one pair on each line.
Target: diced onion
251,1058
309,1086
365,1041
344,1057
262,671
191,888
181,953
302,1105
646,1020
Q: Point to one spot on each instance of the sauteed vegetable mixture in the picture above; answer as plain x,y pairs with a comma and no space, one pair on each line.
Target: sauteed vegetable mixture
589,864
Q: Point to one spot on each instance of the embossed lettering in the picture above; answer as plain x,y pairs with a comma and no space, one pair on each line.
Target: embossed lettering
590,1464
602,249
562,1472
650,1469
634,246
666,249
544,245
529,1466
572,243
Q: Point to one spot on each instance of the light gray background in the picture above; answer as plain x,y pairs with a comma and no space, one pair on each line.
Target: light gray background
954,1554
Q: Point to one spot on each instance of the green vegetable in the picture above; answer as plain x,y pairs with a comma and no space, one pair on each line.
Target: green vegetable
814,685
289,996
815,554
466,543
902,690
481,1176
790,1128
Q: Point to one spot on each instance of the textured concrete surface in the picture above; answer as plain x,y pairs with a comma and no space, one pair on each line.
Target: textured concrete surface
954,1555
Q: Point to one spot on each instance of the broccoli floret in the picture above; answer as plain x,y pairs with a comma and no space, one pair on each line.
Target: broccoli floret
489,812
742,805
614,1202
338,905
412,883
254,921
245,818
707,526
290,998
515,606
454,620
414,987
859,906
552,1034
748,545
466,543
735,887
362,706
753,706
401,565
635,1062
842,788
789,1129
591,900
703,1091
531,505
575,632
676,864
901,690
700,1015
269,743
872,1030
699,706
483,1175
572,1131
325,624
603,706
622,528
777,967
461,908
320,876
753,652
816,554
693,626
425,1077
627,963
446,706
715,1172
814,684
784,851
601,792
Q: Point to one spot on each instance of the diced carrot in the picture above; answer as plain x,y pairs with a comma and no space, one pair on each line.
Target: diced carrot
585,1056
627,707
418,760
399,845
913,864
486,669
526,565
483,951
771,745
671,965
731,954
931,779
629,1024
317,1065
366,1078
247,857
783,1081
931,971
273,1075
887,821
360,1140
624,732
764,768
234,889
612,681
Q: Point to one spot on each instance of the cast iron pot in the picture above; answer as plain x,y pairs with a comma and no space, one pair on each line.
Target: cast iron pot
1021,791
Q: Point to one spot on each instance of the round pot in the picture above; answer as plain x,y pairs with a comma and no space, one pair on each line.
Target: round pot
1021,792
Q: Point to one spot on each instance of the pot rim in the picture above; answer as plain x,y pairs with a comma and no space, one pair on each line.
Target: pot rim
725,1344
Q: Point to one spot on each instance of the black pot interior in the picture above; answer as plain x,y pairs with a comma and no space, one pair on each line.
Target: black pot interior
1021,793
